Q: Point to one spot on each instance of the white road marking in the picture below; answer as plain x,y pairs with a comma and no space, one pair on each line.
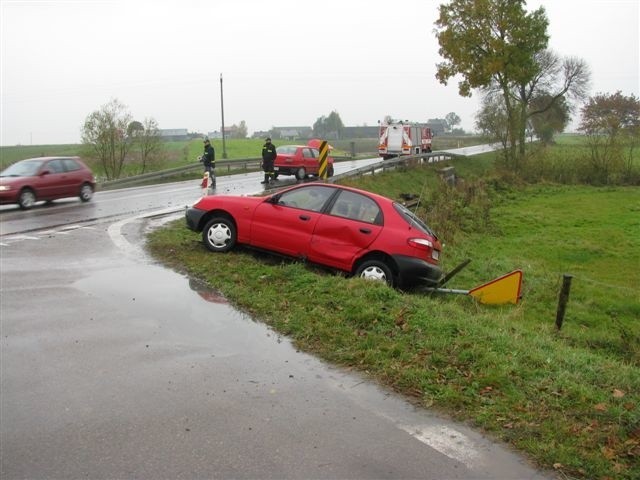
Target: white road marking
9,240
24,237
447,441
115,231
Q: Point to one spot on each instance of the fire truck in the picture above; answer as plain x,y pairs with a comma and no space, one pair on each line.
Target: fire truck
403,138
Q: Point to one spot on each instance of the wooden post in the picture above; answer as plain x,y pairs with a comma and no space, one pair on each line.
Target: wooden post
563,299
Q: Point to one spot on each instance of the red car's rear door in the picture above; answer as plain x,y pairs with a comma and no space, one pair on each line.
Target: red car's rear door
75,176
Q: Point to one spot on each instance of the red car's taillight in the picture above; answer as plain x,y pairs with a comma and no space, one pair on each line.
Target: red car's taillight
426,245
420,243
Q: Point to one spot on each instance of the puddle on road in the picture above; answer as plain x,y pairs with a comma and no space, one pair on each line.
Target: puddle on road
170,308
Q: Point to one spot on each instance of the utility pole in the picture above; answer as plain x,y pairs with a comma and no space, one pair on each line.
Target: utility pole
224,145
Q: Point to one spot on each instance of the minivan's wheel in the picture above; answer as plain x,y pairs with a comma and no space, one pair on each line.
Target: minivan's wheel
375,270
301,173
86,192
26,199
219,234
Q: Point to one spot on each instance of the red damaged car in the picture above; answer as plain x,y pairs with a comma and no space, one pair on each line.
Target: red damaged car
300,160
346,229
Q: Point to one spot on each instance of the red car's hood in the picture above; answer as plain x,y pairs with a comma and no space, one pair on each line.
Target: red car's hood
225,201
13,180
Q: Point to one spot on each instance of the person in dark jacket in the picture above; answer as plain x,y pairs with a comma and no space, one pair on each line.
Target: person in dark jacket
209,161
268,158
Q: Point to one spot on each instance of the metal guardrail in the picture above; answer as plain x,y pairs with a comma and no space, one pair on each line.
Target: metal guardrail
254,164
391,164
245,164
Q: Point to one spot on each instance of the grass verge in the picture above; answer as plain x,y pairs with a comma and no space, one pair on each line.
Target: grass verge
569,399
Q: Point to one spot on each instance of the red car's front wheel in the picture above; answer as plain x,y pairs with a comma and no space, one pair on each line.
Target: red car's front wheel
219,234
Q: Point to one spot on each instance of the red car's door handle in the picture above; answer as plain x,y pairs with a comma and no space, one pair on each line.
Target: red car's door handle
306,218
365,230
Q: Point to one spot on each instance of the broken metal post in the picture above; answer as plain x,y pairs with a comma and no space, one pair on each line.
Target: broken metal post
563,299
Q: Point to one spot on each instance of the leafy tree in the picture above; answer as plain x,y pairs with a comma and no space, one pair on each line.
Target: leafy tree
452,120
611,123
328,127
105,134
551,117
241,130
492,119
548,92
495,45
135,128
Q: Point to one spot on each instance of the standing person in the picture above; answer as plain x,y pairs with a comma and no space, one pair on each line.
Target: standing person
209,161
268,158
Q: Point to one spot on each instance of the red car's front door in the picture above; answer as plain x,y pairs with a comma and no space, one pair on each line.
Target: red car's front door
282,228
286,223
53,180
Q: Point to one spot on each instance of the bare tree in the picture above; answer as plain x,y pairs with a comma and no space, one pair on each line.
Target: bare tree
105,134
148,142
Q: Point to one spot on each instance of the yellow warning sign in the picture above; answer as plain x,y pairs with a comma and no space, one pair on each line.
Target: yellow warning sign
324,153
504,289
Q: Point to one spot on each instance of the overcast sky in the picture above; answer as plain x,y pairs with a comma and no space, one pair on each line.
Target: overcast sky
284,62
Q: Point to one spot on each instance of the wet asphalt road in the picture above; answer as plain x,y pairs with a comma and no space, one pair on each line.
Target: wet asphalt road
115,367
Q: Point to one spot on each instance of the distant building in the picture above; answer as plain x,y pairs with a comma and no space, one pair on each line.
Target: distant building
438,126
214,135
260,134
174,134
292,133
359,132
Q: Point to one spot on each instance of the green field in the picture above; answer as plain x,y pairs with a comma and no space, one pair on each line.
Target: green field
569,398
181,153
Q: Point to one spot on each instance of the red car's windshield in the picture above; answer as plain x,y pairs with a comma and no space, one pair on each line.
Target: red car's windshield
286,150
22,169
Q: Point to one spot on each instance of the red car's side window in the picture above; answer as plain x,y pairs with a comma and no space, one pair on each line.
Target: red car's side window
70,165
55,166
356,207
310,198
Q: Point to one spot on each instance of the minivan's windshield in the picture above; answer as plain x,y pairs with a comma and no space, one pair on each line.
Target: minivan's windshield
412,219
24,168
